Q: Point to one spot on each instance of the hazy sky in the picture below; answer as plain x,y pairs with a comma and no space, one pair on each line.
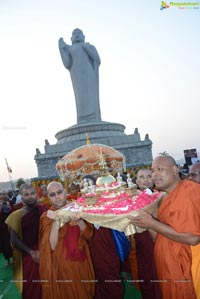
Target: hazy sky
149,75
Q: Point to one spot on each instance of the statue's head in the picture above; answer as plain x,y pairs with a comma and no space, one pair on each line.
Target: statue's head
77,36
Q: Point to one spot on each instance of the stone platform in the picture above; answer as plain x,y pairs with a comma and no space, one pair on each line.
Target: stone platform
137,152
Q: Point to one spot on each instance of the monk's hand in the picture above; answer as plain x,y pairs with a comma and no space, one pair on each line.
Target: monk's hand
35,255
75,216
142,219
51,214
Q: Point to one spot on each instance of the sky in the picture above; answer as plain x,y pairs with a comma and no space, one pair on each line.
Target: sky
149,74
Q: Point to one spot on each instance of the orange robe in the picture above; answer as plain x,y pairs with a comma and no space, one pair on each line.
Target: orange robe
65,275
45,201
175,261
72,197
133,262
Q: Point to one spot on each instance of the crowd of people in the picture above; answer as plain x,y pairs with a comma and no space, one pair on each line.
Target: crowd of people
79,260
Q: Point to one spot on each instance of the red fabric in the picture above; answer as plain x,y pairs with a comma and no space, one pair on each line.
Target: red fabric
61,277
73,196
17,206
30,236
70,243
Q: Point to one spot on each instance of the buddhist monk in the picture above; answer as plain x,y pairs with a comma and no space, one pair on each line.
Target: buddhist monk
66,268
177,248
144,245
24,229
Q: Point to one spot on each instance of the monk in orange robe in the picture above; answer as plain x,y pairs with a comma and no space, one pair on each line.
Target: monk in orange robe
66,268
177,248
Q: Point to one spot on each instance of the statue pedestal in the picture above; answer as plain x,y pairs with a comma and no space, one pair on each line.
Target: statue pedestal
95,130
137,151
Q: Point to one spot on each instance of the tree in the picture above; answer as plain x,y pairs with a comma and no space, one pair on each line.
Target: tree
164,153
20,182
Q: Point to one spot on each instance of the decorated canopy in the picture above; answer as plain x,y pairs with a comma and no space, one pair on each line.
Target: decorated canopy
87,160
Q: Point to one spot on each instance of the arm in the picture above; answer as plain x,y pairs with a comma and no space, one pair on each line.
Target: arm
87,232
20,245
64,53
53,239
82,225
145,220
153,234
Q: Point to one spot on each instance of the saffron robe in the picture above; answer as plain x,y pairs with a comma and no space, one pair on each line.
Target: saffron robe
175,261
66,272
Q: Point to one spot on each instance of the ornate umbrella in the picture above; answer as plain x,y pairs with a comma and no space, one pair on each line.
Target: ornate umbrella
87,160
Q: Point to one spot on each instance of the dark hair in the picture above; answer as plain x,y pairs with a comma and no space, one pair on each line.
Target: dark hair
90,177
26,187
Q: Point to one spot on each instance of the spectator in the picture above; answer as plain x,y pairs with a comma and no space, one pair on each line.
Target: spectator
11,197
5,246
74,192
194,172
44,199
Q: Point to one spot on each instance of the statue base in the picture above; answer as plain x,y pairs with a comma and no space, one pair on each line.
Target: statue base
137,152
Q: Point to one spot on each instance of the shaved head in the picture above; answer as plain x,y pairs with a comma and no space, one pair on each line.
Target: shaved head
54,184
167,159
165,174
57,194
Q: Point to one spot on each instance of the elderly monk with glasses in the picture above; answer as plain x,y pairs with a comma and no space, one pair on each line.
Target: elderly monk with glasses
65,265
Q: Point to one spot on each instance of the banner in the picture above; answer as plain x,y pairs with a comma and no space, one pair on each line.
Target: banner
8,167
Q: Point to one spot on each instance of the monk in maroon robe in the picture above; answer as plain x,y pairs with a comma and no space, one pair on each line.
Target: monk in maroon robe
24,227
107,264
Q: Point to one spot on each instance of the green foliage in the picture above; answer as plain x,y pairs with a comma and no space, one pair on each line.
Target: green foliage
20,182
164,153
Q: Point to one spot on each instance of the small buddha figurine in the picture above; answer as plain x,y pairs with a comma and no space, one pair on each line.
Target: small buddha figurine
119,179
91,187
129,181
85,186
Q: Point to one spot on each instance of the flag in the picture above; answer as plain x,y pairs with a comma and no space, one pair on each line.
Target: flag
8,167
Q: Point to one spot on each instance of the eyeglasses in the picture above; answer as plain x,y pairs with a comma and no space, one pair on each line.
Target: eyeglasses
193,174
53,194
29,194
